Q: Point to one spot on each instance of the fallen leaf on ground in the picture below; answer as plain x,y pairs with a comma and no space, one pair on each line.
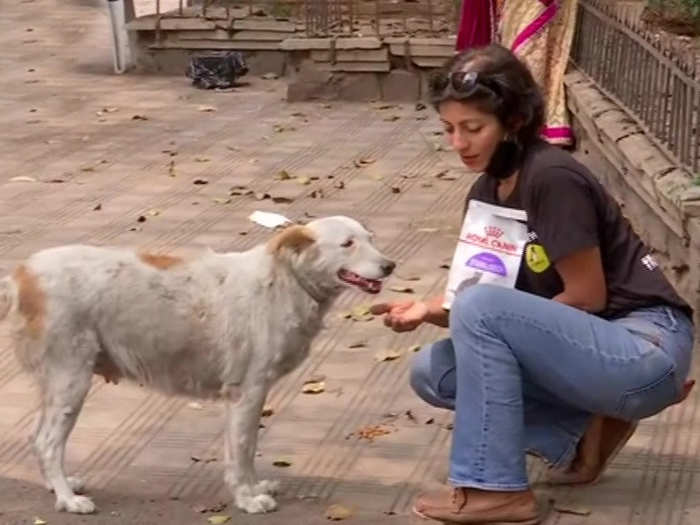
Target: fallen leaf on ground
171,168
22,178
261,196
402,289
414,348
97,207
387,355
395,189
39,521
410,415
218,520
572,508
304,180
340,185
200,182
430,421
87,168
420,106
364,161
313,388
202,159
445,266
282,200
206,108
154,213
370,432
358,344
385,106
359,313
195,406
281,463
298,114
221,200
270,76
283,175
139,117
392,118
316,378
316,194
267,411
338,512
203,509
141,218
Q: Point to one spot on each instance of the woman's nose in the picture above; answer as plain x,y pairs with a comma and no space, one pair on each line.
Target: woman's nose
458,141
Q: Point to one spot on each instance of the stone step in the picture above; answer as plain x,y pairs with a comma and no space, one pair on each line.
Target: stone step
352,55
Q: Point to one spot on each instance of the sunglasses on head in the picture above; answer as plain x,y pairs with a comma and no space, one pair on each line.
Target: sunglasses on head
465,82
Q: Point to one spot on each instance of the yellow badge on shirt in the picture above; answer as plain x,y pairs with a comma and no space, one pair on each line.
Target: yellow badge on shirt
536,258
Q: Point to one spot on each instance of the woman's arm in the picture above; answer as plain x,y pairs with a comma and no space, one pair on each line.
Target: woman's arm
584,280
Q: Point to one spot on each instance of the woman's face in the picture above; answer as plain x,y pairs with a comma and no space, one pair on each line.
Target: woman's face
473,134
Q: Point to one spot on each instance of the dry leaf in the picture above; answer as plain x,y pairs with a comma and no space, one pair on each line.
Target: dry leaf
392,118
87,168
316,378
340,185
572,508
387,355
430,421
200,182
141,218
337,513
221,200
261,196
195,406
267,411
360,312
39,521
304,180
298,114
218,520
206,108
283,175
270,76
202,159
370,432
410,415
445,266
313,388
414,348
395,189
358,344
420,106
139,117
282,200
171,168
281,463
316,194
97,207
402,289
154,213
22,178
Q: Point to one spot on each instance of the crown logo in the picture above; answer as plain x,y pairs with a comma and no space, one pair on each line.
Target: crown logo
493,231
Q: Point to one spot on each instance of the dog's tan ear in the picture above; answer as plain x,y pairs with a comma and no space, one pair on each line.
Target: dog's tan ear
296,238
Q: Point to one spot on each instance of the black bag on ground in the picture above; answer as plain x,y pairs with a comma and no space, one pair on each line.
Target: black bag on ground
216,70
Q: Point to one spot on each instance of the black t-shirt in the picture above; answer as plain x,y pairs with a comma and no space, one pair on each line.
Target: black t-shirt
568,211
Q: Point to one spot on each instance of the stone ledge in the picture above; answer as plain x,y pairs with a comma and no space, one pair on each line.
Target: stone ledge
664,186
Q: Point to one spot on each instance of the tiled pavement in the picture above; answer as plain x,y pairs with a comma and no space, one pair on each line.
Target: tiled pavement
68,125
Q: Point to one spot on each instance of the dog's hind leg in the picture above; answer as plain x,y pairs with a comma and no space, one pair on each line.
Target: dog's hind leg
241,437
64,385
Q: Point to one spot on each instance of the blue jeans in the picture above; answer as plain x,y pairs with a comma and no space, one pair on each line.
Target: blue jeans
523,373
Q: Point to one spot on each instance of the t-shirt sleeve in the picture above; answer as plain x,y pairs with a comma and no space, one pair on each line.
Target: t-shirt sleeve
563,212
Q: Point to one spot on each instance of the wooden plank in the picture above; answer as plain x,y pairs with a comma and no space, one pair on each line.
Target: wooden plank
355,67
216,44
353,55
258,36
250,24
423,51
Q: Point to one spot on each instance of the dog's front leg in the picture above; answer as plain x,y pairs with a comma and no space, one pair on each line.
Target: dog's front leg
243,410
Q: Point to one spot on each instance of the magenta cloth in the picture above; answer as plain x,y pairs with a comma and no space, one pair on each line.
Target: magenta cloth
475,24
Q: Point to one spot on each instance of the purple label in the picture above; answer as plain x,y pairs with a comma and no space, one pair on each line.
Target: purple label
488,262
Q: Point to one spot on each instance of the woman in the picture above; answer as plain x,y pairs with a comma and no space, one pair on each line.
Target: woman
593,326
540,33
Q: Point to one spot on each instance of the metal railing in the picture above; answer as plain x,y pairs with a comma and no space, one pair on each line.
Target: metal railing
653,78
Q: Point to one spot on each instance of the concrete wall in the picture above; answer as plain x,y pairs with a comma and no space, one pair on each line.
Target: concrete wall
660,200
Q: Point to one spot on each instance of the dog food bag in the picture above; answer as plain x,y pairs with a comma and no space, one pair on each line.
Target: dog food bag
489,250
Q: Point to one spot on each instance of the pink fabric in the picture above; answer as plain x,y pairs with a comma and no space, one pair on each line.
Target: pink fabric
475,25
562,132
539,22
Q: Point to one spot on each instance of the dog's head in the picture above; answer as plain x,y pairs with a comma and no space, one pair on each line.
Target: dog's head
333,253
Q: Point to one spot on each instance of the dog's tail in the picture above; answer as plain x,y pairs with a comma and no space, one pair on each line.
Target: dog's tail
8,296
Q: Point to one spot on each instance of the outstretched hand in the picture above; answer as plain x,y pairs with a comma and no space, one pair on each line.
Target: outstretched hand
402,316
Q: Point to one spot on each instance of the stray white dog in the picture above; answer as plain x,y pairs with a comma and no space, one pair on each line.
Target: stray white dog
221,326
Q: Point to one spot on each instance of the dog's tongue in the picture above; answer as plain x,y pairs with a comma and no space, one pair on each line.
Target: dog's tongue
370,285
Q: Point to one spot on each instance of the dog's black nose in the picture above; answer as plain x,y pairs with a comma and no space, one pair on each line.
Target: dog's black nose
388,267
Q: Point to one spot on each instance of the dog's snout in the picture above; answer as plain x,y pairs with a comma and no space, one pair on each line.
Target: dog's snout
388,267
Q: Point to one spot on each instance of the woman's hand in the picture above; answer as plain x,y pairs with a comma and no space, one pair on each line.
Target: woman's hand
402,316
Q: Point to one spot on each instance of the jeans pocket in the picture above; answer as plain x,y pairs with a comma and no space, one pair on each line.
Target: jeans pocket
649,400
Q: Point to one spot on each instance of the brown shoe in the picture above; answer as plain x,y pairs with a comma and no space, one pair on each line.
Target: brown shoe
600,444
466,505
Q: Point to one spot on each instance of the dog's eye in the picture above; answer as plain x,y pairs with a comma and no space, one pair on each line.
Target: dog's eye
347,243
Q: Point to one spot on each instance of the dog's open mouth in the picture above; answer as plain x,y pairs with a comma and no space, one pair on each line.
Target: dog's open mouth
366,285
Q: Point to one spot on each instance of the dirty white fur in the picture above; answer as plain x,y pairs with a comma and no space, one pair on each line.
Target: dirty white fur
220,326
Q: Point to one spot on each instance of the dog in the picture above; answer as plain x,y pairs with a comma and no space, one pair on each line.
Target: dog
221,325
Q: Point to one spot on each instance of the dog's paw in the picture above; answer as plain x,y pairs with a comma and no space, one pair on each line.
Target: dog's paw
77,485
252,503
76,505
266,486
